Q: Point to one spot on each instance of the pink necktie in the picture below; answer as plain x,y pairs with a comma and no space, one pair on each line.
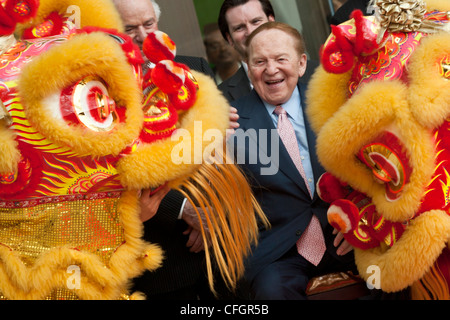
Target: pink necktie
311,244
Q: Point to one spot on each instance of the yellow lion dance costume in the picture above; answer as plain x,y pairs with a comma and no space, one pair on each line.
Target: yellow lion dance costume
380,105
79,140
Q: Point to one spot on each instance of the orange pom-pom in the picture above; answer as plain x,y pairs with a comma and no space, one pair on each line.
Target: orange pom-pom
343,215
168,76
158,46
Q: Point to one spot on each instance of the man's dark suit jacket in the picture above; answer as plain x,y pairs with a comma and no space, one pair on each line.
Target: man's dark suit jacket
197,64
181,268
235,86
238,85
283,195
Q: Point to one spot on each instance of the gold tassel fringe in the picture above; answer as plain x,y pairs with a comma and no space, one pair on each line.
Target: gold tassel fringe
232,221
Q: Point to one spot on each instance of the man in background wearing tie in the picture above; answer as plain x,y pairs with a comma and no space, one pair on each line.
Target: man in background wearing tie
300,243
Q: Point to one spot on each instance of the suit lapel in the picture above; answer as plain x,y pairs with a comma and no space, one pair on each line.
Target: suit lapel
239,84
253,116
256,116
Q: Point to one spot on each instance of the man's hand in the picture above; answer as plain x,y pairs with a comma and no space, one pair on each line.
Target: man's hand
195,241
150,201
344,246
233,122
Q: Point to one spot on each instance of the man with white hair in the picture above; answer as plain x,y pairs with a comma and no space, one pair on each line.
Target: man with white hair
141,17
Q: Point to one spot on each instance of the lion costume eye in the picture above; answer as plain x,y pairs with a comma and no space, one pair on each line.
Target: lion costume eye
88,103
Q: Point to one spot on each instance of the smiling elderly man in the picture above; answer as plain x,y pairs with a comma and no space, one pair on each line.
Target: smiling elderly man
300,243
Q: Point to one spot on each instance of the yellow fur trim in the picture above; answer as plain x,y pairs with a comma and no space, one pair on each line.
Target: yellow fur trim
137,296
153,257
98,281
213,188
322,104
154,164
441,5
412,256
376,107
68,63
98,13
429,91
129,208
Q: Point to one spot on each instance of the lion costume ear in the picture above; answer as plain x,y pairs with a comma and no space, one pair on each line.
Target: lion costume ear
96,60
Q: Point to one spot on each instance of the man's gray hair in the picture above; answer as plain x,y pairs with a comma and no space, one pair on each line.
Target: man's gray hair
157,9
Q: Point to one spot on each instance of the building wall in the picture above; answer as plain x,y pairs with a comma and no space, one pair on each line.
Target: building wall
183,20
314,15
179,20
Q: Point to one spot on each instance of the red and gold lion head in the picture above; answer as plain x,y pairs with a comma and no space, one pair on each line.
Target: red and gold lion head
380,105
82,131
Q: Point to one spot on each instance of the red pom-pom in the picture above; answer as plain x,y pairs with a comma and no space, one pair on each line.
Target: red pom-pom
330,188
21,10
185,98
168,76
338,55
343,215
158,46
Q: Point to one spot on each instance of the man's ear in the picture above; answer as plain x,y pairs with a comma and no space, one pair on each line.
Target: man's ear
302,65
249,70
271,18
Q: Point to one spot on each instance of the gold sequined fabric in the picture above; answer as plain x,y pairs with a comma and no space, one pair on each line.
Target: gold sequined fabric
87,225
